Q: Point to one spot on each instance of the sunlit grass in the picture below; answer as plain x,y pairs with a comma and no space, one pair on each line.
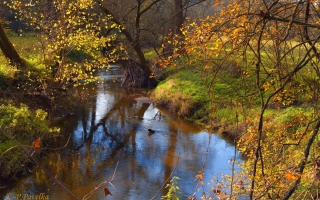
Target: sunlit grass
150,53
185,93
225,95
29,48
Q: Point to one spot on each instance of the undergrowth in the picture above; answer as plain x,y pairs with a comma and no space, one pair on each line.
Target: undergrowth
19,128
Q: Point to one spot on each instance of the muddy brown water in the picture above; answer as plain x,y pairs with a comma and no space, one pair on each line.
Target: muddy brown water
110,141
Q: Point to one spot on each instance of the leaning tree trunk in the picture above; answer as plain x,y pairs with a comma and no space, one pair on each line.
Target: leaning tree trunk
139,68
8,49
138,73
149,79
136,76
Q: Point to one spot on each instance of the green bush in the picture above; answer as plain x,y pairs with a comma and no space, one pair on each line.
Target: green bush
19,128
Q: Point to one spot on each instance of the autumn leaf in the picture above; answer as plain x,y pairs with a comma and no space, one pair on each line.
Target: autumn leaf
199,176
36,143
290,176
107,192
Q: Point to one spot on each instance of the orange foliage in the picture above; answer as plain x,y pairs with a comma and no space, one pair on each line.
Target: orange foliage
36,143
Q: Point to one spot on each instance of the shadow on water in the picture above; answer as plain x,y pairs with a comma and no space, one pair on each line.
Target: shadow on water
121,126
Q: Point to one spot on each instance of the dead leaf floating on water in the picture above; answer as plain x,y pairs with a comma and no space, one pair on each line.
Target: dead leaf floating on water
107,192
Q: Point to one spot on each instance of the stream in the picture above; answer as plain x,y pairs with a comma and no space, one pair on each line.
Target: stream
110,141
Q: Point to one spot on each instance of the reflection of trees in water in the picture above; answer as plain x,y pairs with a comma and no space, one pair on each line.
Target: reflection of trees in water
113,124
117,129
170,159
87,160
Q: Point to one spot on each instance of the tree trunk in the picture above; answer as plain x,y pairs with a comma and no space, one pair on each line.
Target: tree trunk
179,19
176,25
147,76
8,49
143,64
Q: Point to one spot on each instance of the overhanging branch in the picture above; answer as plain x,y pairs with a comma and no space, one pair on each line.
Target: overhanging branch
269,17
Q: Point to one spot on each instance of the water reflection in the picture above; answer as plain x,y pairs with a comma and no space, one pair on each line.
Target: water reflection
111,127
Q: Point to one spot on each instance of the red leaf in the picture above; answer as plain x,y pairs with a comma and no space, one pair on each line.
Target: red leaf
36,144
107,192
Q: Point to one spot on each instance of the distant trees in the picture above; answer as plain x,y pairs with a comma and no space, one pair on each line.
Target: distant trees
145,24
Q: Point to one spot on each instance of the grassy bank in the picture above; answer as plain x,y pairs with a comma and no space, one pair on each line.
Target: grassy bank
184,92
287,124
194,95
226,101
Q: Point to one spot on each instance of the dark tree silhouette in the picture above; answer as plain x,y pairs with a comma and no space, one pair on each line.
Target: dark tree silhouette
8,49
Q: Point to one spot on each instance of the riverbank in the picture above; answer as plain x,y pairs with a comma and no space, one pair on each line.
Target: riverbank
216,104
29,102
280,128
186,92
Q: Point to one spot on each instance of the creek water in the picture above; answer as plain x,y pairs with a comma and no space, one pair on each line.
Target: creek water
110,141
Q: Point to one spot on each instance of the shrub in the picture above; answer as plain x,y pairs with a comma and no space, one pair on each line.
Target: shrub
19,127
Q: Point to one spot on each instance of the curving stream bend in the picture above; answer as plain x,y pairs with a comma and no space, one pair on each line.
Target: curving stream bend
110,134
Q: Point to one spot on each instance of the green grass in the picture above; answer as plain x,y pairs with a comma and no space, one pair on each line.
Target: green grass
185,92
28,45
29,48
7,74
228,94
150,53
